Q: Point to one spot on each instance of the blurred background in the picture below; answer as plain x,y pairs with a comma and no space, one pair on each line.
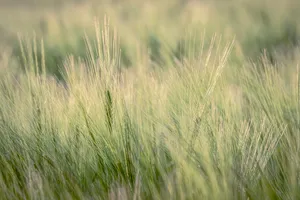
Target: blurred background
258,26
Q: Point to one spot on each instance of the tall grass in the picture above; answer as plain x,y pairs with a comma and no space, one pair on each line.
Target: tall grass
200,129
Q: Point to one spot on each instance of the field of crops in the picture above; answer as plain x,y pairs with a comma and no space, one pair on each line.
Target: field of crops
150,99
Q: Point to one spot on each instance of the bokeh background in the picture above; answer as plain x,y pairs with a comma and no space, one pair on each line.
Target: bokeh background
258,26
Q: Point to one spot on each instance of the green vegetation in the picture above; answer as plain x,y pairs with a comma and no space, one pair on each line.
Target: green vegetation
149,99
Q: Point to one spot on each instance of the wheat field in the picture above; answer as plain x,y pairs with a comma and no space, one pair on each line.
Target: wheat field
179,99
